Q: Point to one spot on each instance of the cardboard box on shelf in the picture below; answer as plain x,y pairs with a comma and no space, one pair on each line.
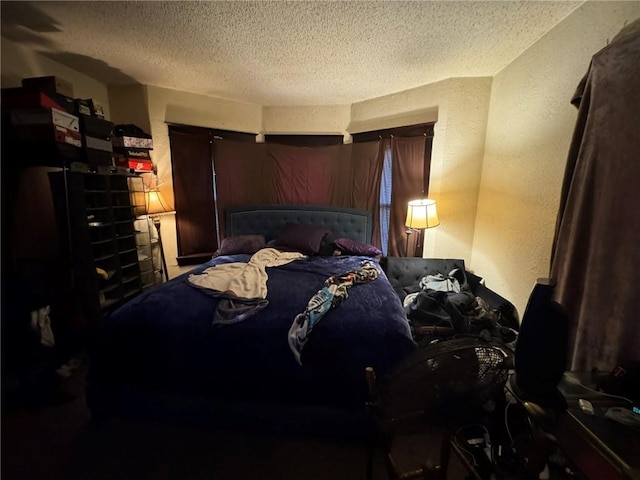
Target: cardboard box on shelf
49,84
141,153
84,106
66,103
41,153
133,142
97,157
47,133
45,116
96,127
19,97
98,144
137,164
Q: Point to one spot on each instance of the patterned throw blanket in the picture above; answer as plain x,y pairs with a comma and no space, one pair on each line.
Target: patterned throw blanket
329,296
242,287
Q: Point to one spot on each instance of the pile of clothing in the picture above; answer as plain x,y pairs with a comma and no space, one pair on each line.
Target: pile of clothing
443,305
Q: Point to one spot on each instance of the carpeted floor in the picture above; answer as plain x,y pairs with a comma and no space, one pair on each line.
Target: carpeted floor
58,442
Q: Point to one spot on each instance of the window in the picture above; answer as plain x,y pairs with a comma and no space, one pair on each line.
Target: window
385,198
193,189
409,182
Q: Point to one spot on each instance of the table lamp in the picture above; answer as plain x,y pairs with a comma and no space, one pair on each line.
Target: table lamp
421,214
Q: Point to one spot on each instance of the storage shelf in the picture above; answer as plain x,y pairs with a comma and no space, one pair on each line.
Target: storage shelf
110,288
105,200
108,303
105,257
102,242
130,279
132,293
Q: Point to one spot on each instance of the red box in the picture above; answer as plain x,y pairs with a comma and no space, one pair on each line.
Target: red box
137,164
27,98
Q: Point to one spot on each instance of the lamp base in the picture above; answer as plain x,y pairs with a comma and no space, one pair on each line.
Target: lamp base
165,271
408,231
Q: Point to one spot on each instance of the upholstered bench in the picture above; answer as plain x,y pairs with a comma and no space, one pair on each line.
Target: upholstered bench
405,273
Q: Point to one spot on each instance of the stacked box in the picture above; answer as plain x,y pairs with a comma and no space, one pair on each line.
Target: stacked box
133,152
96,140
49,85
39,131
45,124
21,97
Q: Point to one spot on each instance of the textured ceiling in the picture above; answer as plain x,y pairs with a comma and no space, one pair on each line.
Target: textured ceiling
281,52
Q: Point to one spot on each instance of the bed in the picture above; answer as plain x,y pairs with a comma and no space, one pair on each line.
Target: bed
164,347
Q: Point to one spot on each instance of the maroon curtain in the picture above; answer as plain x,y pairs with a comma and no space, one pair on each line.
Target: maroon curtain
193,188
304,175
367,161
596,254
243,175
338,175
193,195
407,164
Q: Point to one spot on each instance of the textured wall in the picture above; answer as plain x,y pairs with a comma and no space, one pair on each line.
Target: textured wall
20,62
151,108
529,130
461,105
129,105
497,200
172,106
329,119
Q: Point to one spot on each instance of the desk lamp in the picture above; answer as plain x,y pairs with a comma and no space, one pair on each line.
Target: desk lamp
421,214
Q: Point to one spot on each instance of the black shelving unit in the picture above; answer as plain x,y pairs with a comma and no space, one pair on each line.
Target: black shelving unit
96,211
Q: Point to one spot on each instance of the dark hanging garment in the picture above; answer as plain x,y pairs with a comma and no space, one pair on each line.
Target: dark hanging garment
596,253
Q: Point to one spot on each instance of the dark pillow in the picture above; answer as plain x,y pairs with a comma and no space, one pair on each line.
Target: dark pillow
241,244
283,248
327,248
355,247
301,238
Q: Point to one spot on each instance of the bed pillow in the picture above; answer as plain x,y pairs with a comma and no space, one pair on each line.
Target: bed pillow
355,247
327,247
301,238
241,244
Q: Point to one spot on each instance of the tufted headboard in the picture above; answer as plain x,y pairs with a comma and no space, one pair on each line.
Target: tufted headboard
268,220
407,271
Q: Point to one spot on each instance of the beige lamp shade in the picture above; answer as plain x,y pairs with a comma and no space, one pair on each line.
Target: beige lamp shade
156,204
422,214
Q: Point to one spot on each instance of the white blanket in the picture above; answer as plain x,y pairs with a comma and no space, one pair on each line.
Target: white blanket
244,280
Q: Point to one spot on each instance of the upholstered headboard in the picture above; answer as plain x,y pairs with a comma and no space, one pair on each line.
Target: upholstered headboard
268,220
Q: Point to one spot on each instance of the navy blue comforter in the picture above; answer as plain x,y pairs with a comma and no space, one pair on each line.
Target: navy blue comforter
164,339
